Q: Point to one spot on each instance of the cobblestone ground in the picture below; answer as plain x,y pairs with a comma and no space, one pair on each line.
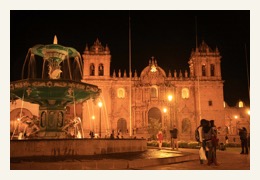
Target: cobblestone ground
229,160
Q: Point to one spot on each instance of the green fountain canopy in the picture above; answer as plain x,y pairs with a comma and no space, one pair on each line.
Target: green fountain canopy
53,93
54,51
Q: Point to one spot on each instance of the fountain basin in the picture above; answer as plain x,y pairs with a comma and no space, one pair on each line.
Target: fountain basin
74,147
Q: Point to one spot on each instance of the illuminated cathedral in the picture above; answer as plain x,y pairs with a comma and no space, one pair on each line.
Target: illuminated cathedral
155,98
141,105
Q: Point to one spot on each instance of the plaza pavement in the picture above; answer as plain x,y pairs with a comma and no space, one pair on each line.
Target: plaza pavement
152,159
228,160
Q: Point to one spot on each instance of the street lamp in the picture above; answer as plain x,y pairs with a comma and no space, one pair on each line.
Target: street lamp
165,119
170,100
100,106
165,111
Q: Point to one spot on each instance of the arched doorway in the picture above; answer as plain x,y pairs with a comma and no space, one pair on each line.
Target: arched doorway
186,126
154,122
121,125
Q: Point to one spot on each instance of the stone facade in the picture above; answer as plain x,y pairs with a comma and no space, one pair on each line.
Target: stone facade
196,94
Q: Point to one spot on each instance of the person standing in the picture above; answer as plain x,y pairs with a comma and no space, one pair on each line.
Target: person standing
226,139
243,138
208,134
214,142
174,138
203,123
91,134
160,139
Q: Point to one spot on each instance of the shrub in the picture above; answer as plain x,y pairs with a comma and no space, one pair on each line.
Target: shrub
233,145
182,144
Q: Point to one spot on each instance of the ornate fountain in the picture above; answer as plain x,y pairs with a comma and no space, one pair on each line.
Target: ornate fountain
57,86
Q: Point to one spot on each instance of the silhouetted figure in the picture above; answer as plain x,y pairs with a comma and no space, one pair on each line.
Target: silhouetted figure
243,138
91,134
214,141
112,135
202,143
174,138
226,139
160,139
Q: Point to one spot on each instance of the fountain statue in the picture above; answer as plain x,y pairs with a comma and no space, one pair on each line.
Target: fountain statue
57,85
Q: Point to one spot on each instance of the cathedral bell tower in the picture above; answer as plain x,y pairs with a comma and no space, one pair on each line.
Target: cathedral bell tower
205,70
97,60
204,63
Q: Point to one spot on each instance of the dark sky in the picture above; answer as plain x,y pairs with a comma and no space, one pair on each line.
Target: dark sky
168,35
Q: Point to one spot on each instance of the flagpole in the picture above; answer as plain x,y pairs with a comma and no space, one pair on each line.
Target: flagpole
130,78
197,73
248,86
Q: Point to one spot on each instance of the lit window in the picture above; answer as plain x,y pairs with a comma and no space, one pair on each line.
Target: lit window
121,93
154,93
240,104
185,93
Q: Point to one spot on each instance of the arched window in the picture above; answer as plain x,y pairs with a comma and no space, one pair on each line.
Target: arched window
203,70
121,93
212,70
240,104
154,92
185,93
92,70
101,70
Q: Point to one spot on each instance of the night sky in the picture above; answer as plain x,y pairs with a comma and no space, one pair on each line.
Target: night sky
168,35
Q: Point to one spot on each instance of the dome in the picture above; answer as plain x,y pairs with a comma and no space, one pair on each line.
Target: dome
153,74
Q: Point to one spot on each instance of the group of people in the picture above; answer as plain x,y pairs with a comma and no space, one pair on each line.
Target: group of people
174,138
208,141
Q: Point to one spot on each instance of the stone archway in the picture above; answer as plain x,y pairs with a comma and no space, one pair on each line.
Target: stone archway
154,121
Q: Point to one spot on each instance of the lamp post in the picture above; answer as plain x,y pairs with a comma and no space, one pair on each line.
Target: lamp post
170,100
100,106
165,123
237,122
